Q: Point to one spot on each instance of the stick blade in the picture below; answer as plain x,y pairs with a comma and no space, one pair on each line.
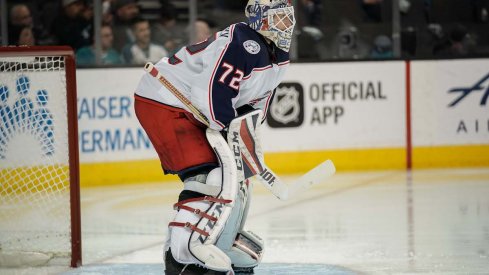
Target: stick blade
317,175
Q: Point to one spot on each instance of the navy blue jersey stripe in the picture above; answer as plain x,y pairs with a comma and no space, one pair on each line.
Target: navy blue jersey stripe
237,63
222,99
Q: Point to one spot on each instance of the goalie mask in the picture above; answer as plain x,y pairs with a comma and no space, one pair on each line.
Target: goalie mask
274,19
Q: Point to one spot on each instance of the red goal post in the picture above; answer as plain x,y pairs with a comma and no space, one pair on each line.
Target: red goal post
39,162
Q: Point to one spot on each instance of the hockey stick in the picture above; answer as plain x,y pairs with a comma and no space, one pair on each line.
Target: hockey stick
317,175
279,188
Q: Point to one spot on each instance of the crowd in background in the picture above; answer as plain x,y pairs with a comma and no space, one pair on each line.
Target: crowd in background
132,32
362,29
137,31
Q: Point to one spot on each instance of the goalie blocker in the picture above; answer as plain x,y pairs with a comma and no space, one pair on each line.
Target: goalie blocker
207,234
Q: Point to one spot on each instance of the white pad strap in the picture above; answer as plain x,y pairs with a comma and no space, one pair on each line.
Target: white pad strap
207,184
202,188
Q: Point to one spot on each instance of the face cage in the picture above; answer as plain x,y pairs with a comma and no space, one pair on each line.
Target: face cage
281,38
283,14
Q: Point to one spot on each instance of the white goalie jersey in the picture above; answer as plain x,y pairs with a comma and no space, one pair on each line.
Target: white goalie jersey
233,68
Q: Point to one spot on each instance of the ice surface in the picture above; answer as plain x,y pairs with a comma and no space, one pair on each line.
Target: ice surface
390,222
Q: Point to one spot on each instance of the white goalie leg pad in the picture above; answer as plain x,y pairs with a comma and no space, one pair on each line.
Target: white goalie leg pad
238,215
247,249
244,250
200,221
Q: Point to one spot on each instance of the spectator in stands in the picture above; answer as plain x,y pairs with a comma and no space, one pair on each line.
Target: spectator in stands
107,17
87,12
124,11
70,27
382,48
309,38
20,15
456,44
19,18
109,56
203,30
165,31
142,50
21,36
312,12
348,45
44,14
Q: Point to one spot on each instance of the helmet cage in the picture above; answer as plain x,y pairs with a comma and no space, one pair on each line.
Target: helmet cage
281,21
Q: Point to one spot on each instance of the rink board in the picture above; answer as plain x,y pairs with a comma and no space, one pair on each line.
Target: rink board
114,173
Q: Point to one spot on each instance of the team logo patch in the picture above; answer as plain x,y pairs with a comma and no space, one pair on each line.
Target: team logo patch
251,46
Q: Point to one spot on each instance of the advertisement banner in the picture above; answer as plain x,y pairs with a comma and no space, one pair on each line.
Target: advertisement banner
317,107
108,129
338,105
450,102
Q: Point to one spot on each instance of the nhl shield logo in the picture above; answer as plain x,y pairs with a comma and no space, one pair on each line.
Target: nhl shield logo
251,46
287,107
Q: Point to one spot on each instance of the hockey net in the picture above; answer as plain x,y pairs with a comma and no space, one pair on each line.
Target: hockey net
39,191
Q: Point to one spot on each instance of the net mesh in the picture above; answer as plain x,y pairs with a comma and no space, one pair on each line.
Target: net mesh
34,167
